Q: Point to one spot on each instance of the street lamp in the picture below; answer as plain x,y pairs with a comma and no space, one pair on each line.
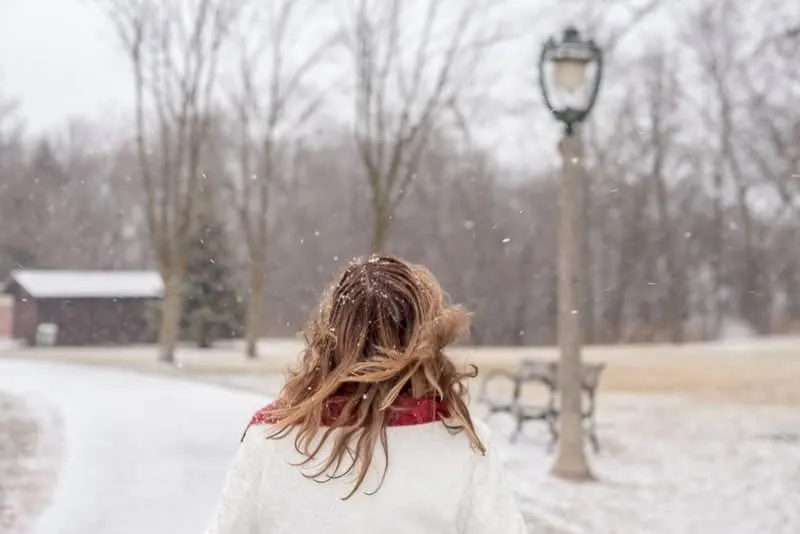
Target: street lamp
570,69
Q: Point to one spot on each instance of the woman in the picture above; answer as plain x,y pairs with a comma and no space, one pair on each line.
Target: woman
372,433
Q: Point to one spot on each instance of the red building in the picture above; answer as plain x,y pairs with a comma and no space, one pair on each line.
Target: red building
85,307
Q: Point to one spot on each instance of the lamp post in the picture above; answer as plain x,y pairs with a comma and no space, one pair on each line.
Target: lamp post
570,69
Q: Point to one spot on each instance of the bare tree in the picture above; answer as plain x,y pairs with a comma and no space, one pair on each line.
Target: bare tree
774,148
15,247
722,29
270,104
405,85
456,207
174,48
616,19
100,202
662,99
715,60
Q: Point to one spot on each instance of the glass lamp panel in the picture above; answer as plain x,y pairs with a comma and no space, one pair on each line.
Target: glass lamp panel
567,92
570,75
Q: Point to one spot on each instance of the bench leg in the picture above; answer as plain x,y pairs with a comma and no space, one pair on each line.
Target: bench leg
518,428
592,430
595,443
593,436
552,426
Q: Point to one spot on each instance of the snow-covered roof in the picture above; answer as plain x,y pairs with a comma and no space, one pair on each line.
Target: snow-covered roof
89,284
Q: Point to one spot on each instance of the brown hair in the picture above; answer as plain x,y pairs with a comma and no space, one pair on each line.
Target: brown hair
379,333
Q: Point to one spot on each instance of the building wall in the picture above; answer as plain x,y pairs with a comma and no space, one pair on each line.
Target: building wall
23,324
6,315
98,321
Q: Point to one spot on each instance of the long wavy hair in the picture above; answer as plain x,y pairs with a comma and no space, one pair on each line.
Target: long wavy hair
378,335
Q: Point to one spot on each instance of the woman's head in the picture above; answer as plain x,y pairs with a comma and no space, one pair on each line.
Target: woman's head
378,334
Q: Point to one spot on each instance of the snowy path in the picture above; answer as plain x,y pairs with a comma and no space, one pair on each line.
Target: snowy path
143,453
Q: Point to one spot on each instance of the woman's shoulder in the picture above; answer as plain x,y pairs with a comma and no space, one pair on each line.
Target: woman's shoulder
482,429
264,416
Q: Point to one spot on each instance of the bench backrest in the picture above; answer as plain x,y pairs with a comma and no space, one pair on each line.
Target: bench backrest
547,371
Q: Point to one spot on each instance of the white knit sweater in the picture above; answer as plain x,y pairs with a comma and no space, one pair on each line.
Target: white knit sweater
435,484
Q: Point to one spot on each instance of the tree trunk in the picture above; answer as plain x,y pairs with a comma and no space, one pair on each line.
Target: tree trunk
631,246
204,336
677,305
716,258
551,308
170,318
520,320
380,224
571,460
791,288
673,294
754,295
254,305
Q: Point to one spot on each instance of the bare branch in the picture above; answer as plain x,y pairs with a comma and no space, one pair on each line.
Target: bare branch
405,85
174,48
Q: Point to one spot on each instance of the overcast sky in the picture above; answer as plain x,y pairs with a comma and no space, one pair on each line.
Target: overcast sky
61,60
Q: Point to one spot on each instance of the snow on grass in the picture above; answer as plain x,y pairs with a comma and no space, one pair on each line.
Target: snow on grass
7,344
672,466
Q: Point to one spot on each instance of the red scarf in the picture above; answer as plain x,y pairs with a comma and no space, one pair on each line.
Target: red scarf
405,411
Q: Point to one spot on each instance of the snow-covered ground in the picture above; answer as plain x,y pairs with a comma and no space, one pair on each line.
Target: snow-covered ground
147,454
671,466
143,454
8,344
30,454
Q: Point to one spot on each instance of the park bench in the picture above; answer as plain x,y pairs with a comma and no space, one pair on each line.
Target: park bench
543,373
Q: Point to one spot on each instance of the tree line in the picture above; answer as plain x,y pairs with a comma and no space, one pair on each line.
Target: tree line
693,157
